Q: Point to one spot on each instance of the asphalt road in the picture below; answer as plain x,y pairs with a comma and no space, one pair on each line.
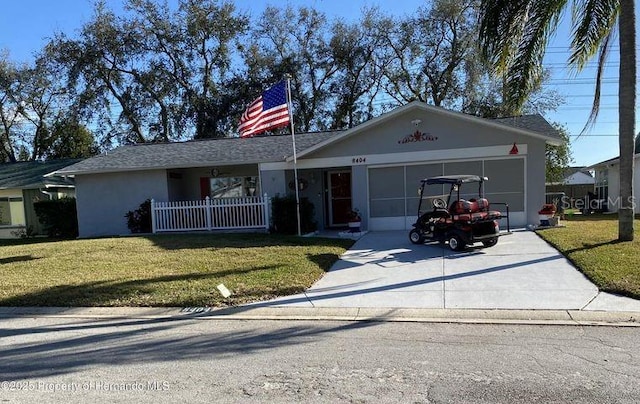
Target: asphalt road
48,360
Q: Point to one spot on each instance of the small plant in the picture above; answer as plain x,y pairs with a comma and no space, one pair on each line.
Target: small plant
27,232
354,216
139,220
354,220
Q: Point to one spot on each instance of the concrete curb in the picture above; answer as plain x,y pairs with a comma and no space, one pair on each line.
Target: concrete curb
467,316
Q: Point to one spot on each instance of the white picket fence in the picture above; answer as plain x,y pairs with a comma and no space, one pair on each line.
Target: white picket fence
251,212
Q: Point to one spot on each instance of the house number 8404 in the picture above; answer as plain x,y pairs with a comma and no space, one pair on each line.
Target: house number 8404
358,160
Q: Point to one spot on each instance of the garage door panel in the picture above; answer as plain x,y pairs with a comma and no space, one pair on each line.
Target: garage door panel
463,167
417,173
515,201
387,182
387,207
393,190
504,175
412,205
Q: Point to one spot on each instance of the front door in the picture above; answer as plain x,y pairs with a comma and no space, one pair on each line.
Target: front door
339,184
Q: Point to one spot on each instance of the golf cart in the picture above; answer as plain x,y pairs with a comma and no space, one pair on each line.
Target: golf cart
457,221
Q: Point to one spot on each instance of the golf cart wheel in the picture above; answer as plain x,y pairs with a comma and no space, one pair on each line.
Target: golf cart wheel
416,237
456,243
490,242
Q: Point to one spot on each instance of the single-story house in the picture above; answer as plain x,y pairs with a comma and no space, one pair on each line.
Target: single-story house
576,184
22,184
374,167
607,181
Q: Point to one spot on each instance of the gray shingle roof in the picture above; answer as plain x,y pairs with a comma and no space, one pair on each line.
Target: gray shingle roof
230,151
569,171
30,174
200,153
535,122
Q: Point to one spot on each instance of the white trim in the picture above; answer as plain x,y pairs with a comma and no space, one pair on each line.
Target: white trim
368,196
417,105
57,186
610,162
525,172
72,174
404,189
500,151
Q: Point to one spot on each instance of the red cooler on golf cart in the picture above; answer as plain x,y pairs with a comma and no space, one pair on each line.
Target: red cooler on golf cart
456,221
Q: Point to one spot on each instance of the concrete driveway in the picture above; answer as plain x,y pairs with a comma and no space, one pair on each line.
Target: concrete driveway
383,269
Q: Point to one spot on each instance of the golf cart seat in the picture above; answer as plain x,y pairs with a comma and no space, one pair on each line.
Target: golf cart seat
473,210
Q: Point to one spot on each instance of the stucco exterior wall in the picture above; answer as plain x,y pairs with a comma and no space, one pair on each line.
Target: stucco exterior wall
459,140
535,181
359,194
613,182
447,133
313,192
104,199
613,203
274,182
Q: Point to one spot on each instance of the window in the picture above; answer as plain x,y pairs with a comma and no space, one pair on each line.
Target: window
602,184
229,187
11,211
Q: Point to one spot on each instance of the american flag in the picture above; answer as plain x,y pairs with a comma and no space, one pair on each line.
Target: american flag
269,111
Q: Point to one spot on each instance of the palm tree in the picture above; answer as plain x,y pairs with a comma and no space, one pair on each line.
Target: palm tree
514,36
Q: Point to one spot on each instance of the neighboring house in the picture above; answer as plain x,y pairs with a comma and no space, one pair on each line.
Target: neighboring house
576,184
22,184
374,167
607,181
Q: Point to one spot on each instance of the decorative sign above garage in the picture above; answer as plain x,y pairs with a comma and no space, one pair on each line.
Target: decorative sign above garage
418,136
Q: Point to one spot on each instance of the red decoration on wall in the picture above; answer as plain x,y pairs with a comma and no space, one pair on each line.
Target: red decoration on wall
418,136
514,149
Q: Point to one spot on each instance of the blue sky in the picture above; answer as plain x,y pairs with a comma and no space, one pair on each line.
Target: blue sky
25,26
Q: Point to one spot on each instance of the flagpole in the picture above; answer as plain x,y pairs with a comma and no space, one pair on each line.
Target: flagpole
295,158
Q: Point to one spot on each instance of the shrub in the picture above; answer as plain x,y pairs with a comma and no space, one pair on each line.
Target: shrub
139,220
58,217
27,232
283,212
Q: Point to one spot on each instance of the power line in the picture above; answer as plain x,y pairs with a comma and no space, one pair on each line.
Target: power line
611,135
588,64
578,107
583,122
566,82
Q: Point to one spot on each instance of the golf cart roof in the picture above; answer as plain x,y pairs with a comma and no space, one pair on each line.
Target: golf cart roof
454,179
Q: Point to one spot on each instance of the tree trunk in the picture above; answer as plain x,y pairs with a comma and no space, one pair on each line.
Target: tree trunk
627,117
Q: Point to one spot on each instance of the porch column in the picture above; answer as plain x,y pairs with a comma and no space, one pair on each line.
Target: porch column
359,193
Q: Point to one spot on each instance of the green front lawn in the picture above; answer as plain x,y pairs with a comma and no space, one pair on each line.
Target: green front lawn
167,270
590,242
